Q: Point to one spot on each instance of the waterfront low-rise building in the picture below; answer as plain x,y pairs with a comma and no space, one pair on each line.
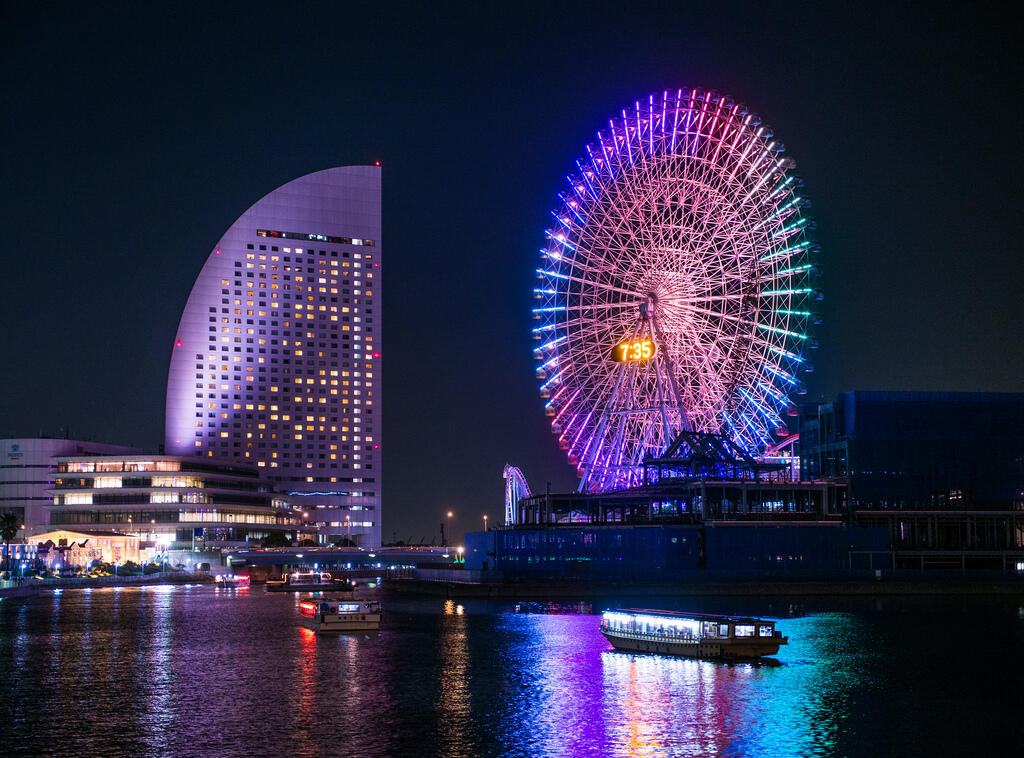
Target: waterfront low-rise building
66,548
27,469
169,502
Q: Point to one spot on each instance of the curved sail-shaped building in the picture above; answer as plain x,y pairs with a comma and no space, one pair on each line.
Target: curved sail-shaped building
276,361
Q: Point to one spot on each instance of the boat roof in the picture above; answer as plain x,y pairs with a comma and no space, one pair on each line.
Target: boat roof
694,616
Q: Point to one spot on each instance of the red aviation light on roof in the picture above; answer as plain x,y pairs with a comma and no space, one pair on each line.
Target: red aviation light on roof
178,343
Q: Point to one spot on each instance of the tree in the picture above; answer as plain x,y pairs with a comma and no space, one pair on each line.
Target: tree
8,531
277,539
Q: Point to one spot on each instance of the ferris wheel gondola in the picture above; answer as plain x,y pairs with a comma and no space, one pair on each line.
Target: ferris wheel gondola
675,287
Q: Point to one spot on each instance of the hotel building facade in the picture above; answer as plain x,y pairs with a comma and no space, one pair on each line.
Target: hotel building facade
276,362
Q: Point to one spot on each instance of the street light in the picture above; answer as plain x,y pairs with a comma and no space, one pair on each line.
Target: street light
485,522
444,541
348,523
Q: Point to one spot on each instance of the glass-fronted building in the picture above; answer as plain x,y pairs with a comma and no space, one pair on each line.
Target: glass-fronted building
179,502
918,450
277,358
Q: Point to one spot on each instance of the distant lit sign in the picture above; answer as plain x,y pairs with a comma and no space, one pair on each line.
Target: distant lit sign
639,350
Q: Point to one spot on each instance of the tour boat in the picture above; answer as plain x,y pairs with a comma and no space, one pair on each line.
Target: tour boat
233,580
334,615
692,635
313,581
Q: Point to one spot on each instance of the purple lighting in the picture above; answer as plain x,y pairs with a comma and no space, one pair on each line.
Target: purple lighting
644,259
283,370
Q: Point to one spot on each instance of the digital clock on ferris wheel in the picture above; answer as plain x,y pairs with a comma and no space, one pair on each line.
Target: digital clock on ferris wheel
636,350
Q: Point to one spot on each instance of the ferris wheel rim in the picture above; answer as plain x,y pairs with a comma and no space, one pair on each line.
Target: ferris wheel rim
589,296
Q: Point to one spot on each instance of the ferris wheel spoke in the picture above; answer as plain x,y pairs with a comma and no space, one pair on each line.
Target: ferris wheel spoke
684,201
600,284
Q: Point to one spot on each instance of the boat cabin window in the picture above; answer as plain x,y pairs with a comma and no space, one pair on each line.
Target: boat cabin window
723,630
744,630
765,630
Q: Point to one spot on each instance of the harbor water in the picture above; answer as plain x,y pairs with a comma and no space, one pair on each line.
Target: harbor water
202,671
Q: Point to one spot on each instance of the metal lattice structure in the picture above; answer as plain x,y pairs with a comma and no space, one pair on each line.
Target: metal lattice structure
516,489
683,226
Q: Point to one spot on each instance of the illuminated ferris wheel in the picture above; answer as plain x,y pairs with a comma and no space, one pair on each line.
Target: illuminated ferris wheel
676,287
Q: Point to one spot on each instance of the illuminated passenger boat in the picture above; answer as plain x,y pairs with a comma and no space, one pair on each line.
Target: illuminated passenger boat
312,581
233,580
333,615
692,635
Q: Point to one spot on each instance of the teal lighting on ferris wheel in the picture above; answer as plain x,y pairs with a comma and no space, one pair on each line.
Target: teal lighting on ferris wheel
791,313
794,270
786,332
788,251
631,256
773,293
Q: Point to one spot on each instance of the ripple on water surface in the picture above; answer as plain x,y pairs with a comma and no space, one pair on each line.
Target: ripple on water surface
186,671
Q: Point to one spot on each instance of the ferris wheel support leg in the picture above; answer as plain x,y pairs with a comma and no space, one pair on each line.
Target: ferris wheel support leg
592,455
648,311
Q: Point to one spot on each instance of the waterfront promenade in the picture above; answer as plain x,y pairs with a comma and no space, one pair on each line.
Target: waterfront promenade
31,585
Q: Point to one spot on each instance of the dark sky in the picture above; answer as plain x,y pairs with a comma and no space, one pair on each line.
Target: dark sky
133,137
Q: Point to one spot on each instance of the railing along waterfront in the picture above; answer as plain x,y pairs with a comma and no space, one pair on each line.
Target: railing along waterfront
89,581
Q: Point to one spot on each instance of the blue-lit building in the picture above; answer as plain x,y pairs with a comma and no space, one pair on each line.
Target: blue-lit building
669,552
918,450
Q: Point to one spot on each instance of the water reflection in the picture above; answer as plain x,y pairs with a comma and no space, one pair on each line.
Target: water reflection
453,699
305,715
153,677
582,695
176,672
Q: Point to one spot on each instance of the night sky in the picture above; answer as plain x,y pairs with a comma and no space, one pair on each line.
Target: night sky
133,137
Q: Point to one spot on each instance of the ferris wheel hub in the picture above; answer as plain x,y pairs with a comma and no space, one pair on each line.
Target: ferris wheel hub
677,285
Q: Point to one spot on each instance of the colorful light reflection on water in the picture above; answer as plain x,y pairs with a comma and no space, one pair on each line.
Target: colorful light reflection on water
203,671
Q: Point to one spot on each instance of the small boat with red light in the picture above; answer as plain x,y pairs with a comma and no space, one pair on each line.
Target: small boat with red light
322,614
691,635
238,581
309,581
